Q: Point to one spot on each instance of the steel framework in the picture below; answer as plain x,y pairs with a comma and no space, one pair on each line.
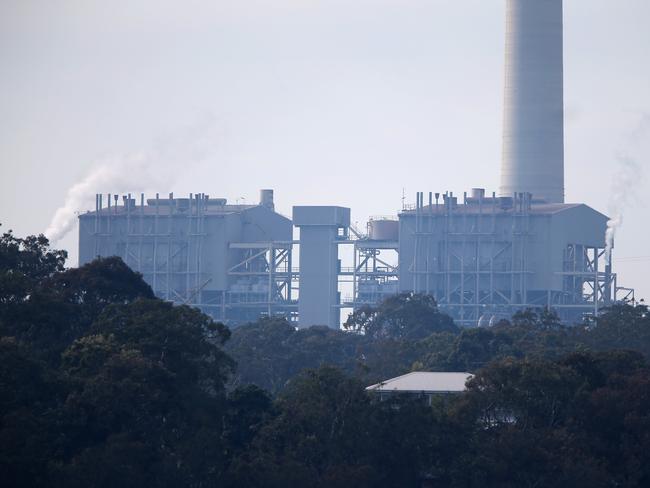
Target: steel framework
374,273
478,268
165,248
167,245
263,278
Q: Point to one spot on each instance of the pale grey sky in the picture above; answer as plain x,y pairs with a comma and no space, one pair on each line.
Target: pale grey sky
328,102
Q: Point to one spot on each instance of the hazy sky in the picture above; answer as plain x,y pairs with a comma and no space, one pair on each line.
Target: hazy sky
342,102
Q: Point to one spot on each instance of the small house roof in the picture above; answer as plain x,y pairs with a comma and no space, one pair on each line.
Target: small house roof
423,382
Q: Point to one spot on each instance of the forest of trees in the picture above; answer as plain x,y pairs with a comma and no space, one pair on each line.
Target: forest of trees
104,385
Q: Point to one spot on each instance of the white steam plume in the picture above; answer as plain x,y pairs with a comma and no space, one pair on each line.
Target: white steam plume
625,181
622,193
144,171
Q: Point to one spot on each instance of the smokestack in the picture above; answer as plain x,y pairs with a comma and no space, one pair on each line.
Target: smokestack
533,126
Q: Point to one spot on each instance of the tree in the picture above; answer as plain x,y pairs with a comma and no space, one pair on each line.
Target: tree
24,263
539,319
101,282
28,395
271,351
621,326
580,421
147,384
329,432
526,393
180,338
408,316
103,385
319,431
262,353
62,304
249,408
474,348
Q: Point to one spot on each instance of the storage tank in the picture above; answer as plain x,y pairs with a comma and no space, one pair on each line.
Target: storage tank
266,199
478,193
383,229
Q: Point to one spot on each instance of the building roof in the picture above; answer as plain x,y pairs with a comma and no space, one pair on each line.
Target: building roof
487,208
423,382
164,210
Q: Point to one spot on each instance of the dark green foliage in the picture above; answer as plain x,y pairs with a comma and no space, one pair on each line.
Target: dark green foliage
271,351
477,347
28,393
102,385
535,393
249,407
181,339
405,316
388,342
582,421
321,421
61,305
620,327
99,283
24,264
329,432
147,388
542,319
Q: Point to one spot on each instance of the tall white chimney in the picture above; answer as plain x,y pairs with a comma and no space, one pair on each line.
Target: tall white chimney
533,126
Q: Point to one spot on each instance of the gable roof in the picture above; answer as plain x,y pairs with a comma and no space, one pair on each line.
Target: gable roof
423,382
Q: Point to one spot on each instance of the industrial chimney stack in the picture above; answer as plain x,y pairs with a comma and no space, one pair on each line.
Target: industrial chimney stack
533,127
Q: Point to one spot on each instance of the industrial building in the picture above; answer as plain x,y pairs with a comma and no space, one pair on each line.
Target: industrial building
483,256
232,261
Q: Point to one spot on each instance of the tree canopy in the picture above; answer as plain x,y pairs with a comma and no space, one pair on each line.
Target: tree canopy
104,385
402,316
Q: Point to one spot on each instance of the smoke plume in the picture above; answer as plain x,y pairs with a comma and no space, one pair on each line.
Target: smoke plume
145,171
624,182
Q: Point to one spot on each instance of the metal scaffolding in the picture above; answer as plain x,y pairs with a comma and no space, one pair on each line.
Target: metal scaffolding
166,247
263,278
474,258
166,241
374,273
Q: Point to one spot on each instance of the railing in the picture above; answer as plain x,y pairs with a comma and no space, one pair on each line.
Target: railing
383,270
391,218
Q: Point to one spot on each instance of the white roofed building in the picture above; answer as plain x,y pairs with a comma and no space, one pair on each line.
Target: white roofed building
421,383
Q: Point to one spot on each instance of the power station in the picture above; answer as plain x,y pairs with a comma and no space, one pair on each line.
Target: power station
483,256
